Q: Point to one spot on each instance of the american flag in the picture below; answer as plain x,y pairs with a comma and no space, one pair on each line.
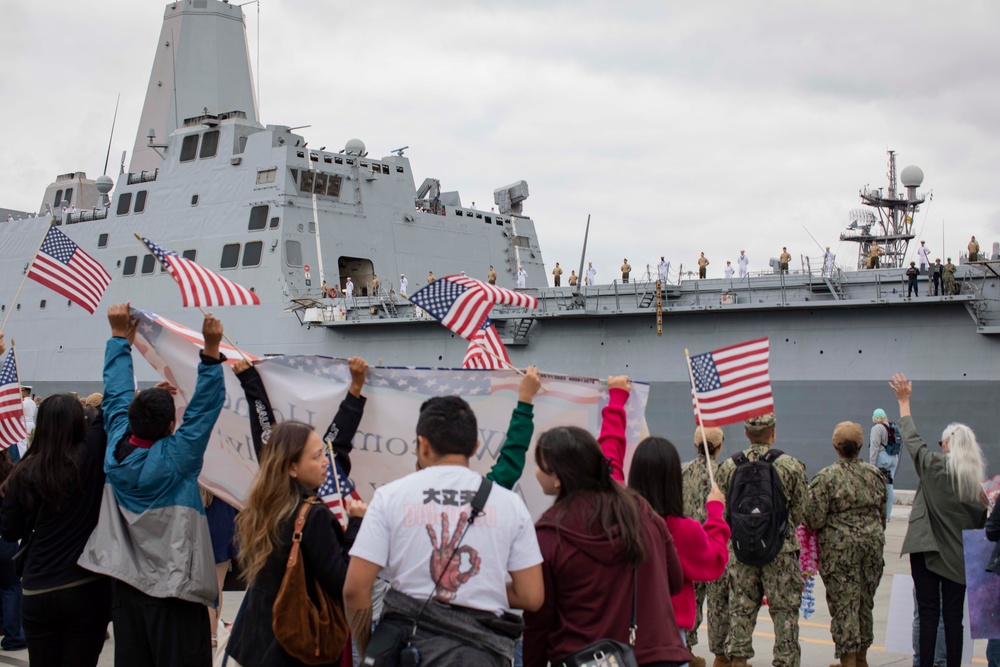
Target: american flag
334,496
61,266
12,428
199,286
732,384
488,337
462,303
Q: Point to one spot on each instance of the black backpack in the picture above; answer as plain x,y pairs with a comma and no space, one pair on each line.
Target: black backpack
894,441
757,508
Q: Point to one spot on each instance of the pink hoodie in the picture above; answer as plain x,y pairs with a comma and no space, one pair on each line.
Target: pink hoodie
703,550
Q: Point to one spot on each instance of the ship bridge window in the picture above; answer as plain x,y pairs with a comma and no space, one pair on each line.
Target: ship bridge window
314,157
306,182
210,144
230,256
124,202
328,159
140,202
266,175
189,147
333,188
129,268
102,241
293,253
258,217
399,170
242,144
338,160
148,265
41,304
458,213
68,196
189,254
194,200
57,199
385,169
320,187
275,222
252,252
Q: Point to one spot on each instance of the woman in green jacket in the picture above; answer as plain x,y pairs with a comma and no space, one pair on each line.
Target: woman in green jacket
949,499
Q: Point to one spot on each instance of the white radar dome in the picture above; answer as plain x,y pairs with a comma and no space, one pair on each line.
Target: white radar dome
355,147
912,176
104,184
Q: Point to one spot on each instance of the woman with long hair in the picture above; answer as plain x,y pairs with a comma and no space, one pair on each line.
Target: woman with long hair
847,509
949,499
656,474
51,502
293,465
604,548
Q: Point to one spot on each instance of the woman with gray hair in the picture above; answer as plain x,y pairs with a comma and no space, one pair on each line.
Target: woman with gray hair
949,499
879,456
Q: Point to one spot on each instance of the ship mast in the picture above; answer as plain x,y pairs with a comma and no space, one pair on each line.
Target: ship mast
889,219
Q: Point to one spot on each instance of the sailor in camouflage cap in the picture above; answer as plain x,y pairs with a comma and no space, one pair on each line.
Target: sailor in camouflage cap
760,423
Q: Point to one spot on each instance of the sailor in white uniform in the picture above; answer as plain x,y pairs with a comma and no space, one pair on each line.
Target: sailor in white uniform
828,258
923,257
591,273
522,277
404,284
349,289
743,262
729,270
30,409
663,268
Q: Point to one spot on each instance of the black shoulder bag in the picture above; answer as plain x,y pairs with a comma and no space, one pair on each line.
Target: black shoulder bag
609,651
390,644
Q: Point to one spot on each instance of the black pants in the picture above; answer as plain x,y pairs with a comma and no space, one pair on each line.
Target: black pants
65,628
938,595
159,632
557,280
936,279
911,287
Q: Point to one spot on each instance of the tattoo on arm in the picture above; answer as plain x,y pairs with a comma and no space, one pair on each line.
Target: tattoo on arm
360,621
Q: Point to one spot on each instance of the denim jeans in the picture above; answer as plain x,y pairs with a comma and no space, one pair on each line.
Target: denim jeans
10,599
883,460
993,653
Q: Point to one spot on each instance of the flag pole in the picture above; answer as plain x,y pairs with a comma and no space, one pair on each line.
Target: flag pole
19,391
172,275
697,410
502,361
24,279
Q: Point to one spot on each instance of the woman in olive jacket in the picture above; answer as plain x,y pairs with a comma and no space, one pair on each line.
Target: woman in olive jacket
949,499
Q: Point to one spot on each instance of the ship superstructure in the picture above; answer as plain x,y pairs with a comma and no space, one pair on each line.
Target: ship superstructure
294,222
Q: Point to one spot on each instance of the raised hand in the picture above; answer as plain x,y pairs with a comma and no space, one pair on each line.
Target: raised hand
716,494
359,371
122,323
530,384
355,508
211,329
619,382
241,365
3,346
902,388
171,389
446,560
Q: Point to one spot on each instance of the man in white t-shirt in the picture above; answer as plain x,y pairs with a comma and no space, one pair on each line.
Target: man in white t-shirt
413,534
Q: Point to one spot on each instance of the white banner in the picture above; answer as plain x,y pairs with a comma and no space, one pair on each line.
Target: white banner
310,388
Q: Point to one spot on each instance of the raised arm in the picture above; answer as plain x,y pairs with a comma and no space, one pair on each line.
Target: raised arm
510,463
186,448
258,404
119,380
612,438
921,455
340,434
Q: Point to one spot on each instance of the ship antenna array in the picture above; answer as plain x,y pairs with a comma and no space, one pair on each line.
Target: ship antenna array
114,120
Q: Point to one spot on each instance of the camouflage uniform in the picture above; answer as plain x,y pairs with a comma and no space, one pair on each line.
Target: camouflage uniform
847,508
780,580
696,487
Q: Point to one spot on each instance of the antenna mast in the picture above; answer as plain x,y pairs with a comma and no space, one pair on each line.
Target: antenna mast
890,224
114,120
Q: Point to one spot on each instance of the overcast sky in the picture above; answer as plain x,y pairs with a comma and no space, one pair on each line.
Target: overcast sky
680,127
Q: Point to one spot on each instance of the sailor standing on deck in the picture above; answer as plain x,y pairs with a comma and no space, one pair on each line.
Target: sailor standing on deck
702,265
404,284
557,275
743,262
626,270
30,409
491,277
662,269
923,258
973,250
729,270
522,277
572,279
784,259
349,289
936,270
828,258
591,273
949,278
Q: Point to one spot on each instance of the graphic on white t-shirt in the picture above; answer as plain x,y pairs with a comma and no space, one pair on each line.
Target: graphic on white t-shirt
446,560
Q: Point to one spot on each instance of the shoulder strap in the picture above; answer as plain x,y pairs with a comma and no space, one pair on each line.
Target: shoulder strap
739,458
634,625
479,500
772,455
300,524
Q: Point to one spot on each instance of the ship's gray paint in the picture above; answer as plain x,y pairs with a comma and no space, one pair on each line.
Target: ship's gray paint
835,340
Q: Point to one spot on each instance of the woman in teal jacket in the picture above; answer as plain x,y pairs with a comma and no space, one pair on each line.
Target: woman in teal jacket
949,499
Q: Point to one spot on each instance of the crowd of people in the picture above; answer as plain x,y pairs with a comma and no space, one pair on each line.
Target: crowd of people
103,520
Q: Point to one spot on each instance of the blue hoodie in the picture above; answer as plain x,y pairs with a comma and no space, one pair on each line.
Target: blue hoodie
152,533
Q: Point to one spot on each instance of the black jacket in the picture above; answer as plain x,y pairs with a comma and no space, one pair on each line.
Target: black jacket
993,535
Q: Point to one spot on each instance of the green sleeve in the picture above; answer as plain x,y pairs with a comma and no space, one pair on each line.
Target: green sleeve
510,464
816,505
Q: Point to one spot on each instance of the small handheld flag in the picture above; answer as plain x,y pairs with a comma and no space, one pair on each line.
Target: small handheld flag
61,266
731,384
12,428
494,356
199,286
462,303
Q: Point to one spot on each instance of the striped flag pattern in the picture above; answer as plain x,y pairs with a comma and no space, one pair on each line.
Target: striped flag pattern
12,428
61,266
337,489
462,303
732,384
199,286
489,338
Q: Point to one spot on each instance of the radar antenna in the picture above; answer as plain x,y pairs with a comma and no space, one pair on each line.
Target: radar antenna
889,220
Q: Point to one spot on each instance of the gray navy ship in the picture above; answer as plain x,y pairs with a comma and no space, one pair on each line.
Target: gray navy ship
256,203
